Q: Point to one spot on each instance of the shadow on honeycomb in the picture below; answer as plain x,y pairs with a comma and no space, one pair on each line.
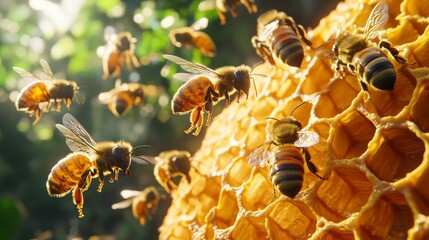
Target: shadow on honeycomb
374,153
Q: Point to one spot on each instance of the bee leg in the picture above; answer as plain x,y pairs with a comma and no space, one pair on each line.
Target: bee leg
78,201
393,51
250,6
101,179
310,165
222,16
196,120
135,60
208,107
299,30
38,115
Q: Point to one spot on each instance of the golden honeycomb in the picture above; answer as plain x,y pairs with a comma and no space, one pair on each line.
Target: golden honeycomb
374,152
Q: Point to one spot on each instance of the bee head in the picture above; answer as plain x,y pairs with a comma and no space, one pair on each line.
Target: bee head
241,81
121,159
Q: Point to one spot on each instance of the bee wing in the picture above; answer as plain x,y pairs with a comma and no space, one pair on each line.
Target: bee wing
105,97
77,138
260,155
269,28
130,193
24,73
143,159
191,67
376,20
306,139
200,24
122,204
46,68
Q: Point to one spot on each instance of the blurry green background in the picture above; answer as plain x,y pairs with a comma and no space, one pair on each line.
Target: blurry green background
67,34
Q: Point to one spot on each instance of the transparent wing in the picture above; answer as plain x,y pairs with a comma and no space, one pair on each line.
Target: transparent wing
105,97
46,68
306,139
376,20
130,193
191,67
269,28
24,73
184,76
260,155
123,204
200,24
77,138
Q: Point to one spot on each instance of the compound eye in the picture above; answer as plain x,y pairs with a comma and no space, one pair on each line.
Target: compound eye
118,154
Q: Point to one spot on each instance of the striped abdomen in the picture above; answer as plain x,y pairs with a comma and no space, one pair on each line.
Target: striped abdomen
67,174
34,93
191,95
373,67
287,170
286,46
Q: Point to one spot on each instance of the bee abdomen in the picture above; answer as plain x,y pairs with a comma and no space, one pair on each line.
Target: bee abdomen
66,174
287,171
286,46
190,95
373,66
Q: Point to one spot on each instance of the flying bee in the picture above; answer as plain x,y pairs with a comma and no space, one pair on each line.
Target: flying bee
278,37
119,48
170,164
205,86
285,152
224,6
125,96
192,36
143,203
46,94
87,160
363,58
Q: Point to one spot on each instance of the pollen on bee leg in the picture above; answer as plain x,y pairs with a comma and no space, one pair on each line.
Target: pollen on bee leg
100,186
78,201
196,121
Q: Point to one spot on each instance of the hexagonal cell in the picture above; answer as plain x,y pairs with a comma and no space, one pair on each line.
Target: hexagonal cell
344,193
299,110
336,100
393,153
245,228
338,234
407,31
351,135
415,7
284,88
419,180
252,197
290,220
389,218
419,112
226,210
318,76
419,49
238,173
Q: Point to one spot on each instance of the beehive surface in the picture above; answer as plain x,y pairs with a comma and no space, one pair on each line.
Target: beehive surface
373,152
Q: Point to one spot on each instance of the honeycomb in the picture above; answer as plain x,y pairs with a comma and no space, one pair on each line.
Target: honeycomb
374,152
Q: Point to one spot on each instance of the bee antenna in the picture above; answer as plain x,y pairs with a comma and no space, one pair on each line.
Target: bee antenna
140,146
272,118
142,158
260,62
79,96
296,107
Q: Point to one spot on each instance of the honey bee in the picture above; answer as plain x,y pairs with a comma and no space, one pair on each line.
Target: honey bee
88,160
119,48
278,37
125,96
170,164
223,6
192,36
284,153
205,87
365,60
143,203
44,93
